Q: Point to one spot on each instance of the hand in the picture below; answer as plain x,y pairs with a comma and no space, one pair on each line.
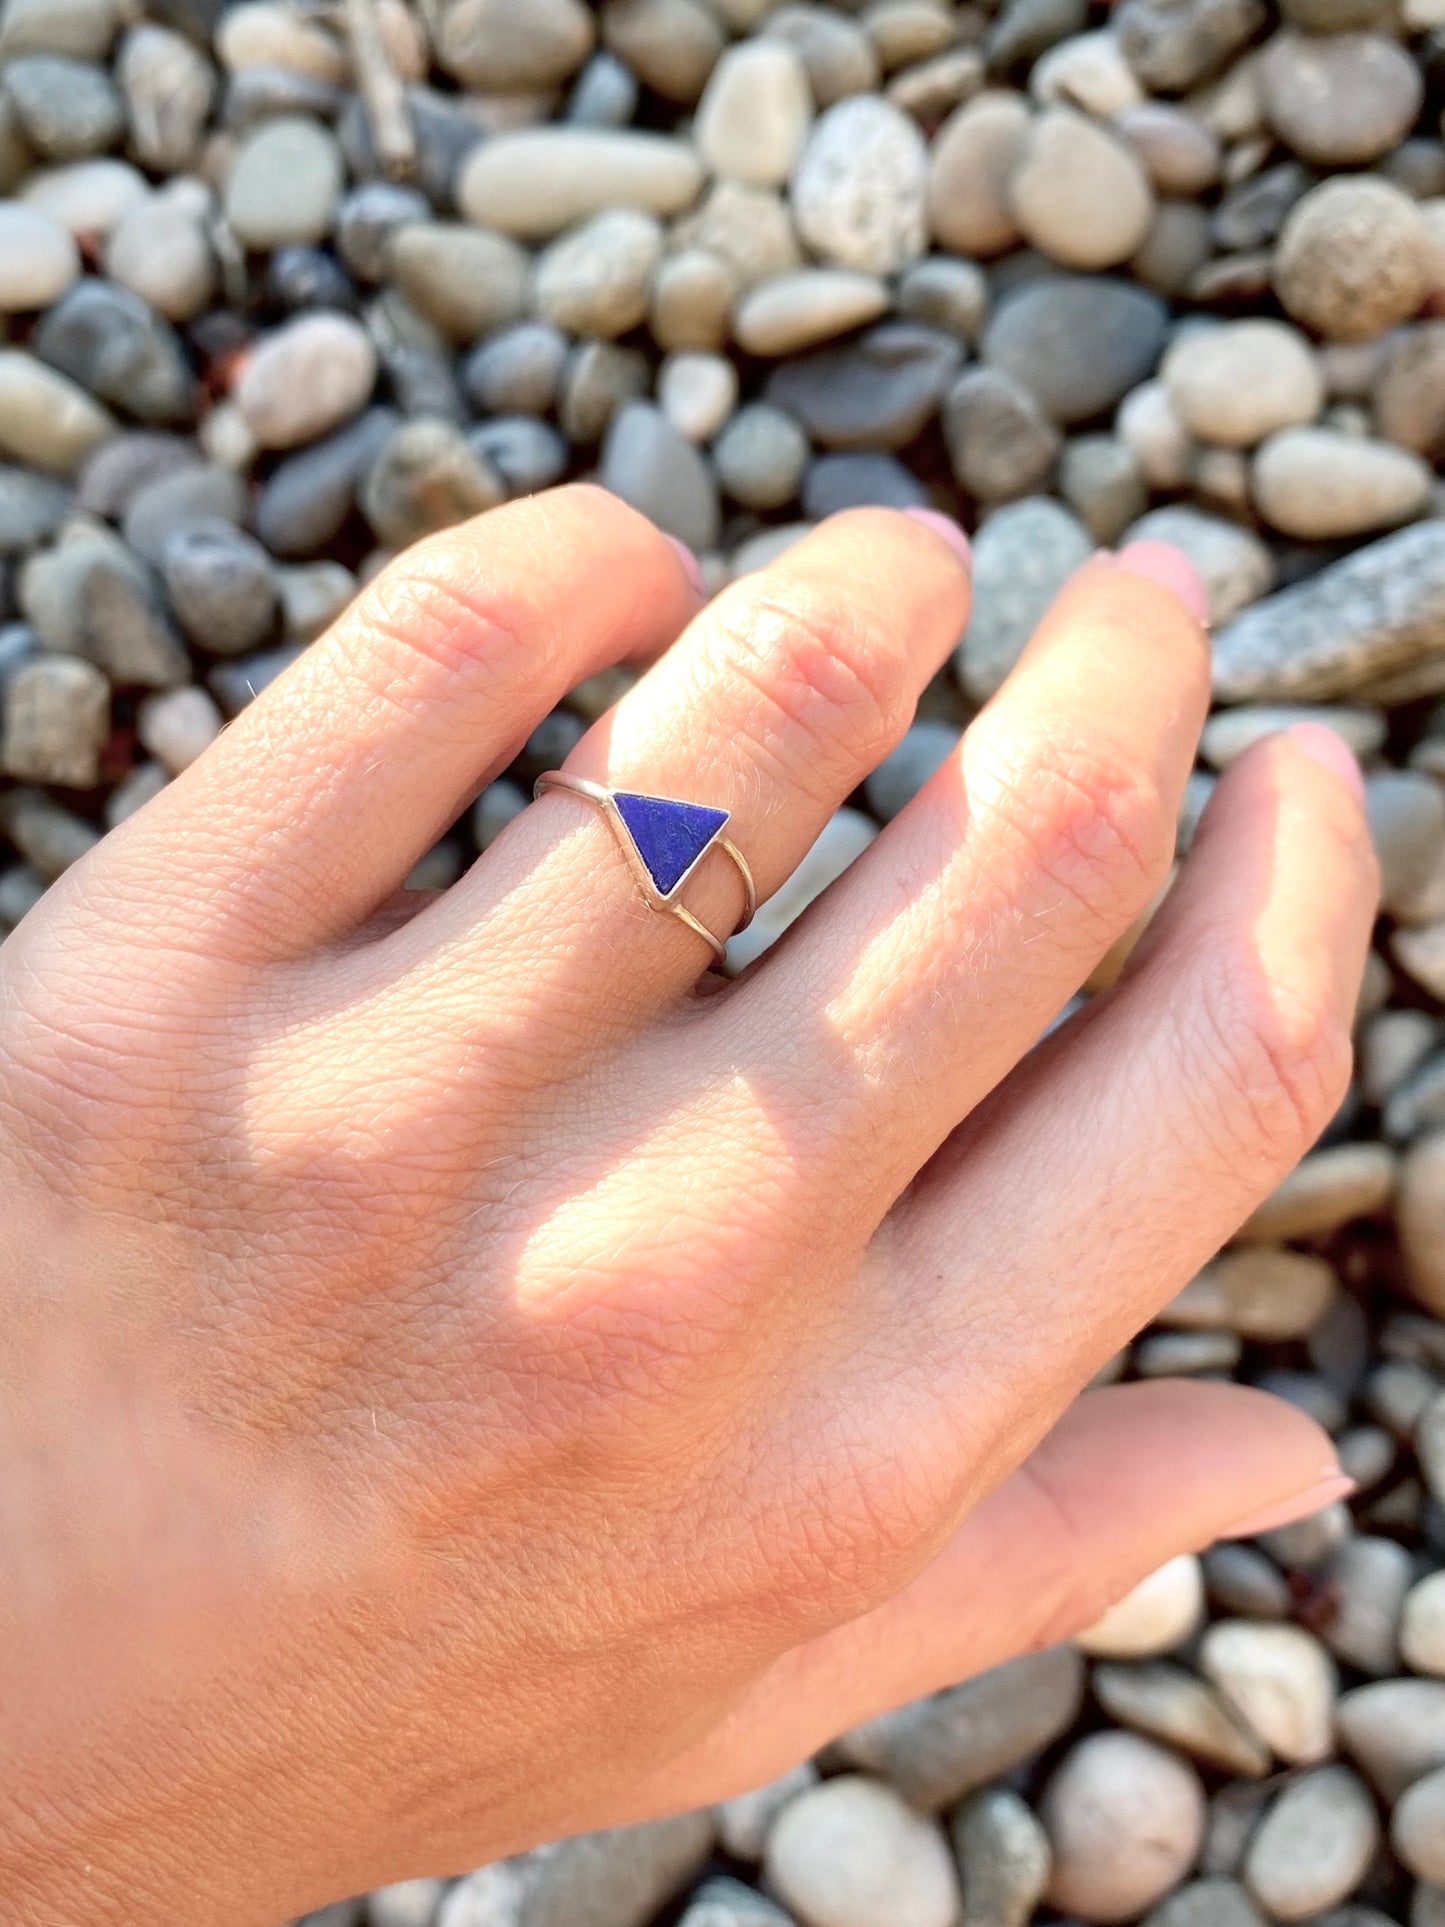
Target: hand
465,1380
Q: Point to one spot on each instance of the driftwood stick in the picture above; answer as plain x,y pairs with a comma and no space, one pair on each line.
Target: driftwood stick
381,90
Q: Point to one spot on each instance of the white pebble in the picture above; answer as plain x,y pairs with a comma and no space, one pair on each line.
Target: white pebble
853,1853
1161,1612
177,726
698,392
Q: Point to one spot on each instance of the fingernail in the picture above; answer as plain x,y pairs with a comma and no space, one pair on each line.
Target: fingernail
947,530
1171,568
692,568
1334,1485
1325,746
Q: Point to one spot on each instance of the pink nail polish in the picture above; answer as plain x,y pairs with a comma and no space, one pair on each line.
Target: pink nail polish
947,530
1320,741
692,568
1333,1486
1171,568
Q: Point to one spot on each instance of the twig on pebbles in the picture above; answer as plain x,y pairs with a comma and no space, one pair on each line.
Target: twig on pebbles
381,90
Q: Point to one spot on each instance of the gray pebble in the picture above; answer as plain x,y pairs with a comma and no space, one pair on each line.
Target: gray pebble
905,770
174,499
465,281
220,582
284,183
1004,1858
1395,1731
21,888
528,454
32,508
48,836
875,393
368,217
1213,1902
723,1902
307,498
1000,443
1244,1582
426,477
57,718
761,457
1078,344
1368,1580
1314,1845
109,340
1101,481
1022,556
1170,1704
66,108
649,464
614,1879
598,380
594,280
127,631
605,94
863,480
517,371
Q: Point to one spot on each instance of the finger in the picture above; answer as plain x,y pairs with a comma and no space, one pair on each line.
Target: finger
315,803
1138,1137
941,955
777,701
1128,1479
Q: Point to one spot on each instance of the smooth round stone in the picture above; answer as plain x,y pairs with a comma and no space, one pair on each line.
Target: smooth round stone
946,293
760,457
1314,1846
1353,258
1000,443
536,182
87,198
1125,1820
1417,1830
594,281
67,109
744,1822
1281,1682
1406,812
697,393
851,1853
1319,485
836,52
1078,194
1238,382
159,250
1324,1191
598,379
1079,345
1163,447
1175,1354
837,482
1420,1214
671,45
749,229
112,343
220,583
465,281
306,379
691,299
427,477
38,258
1235,567
179,497
1422,1626
1261,1292
1169,1704
1156,1616
45,418
792,312
1395,1731
860,185
178,726
261,93
126,631
170,88
1004,1858
406,1903
1179,153
308,277
495,46
1217,1902
1101,481
32,508
268,33
1407,393
518,371
83,28
1022,556
366,220
1175,249
284,184
312,595
1088,71
877,392
528,455
755,113
925,747
1339,100
56,720
1172,47
649,464
971,162
605,94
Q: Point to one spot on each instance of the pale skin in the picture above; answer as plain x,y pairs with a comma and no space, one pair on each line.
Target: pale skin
468,1374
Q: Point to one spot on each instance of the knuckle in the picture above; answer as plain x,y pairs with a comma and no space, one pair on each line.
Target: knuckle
423,615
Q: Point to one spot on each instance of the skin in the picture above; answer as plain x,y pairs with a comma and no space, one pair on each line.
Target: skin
468,1376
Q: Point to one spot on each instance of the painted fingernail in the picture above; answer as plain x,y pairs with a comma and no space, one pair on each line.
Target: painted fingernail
1321,742
947,530
692,568
1171,568
1333,1486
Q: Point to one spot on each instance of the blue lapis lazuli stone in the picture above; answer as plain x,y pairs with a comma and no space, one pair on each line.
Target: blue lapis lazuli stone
668,836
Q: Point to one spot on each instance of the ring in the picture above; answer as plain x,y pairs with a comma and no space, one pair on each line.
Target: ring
664,840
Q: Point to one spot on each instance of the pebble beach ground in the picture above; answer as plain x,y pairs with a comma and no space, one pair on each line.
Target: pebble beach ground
285,287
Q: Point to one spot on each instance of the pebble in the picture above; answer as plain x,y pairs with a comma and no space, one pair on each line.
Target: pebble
1159,1613
1000,443
527,454
1353,259
1178,152
1078,344
87,198
837,54
306,379
859,188
1172,47
1239,382
497,47
307,498
1078,194
761,456
84,28
38,258
1100,480
56,720
284,183
1089,71
426,477
852,1853
925,747
170,89
594,281
1245,1582
946,293
159,250
1417,1831
951,1744
697,393
1369,1578
1234,565
1125,1819
113,344
744,1822
690,303
1022,556
220,583
45,418
1422,1626
598,379
268,33
312,596
1280,1680
1339,100
1324,1191
48,837
1430,1445
649,464
407,1903
1395,1731
1211,1902
1318,484
671,45
876,392
1262,1292
1004,1859
843,838
67,109
724,1902
126,629
1170,1704
1314,1846
464,280
1407,822
1379,609
837,482
755,113
791,312
517,370
615,1879
177,726
32,508
971,164
537,181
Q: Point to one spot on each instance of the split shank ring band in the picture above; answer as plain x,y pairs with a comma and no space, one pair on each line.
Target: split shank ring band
663,840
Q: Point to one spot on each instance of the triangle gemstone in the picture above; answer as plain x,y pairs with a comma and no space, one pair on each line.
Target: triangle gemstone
668,836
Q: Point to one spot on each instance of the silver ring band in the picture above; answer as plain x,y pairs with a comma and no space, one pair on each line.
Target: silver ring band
664,840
